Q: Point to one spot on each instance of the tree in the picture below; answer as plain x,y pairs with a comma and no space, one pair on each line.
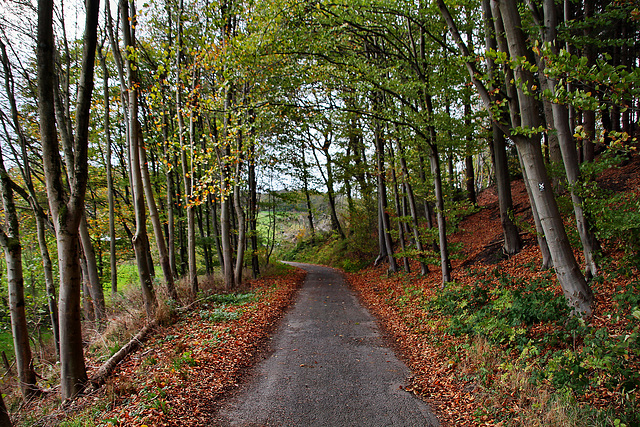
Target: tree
571,279
140,239
66,211
10,241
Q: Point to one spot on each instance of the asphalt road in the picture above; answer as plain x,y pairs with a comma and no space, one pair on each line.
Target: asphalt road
329,366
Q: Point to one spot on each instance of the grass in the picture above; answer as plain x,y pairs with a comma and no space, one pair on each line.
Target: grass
6,343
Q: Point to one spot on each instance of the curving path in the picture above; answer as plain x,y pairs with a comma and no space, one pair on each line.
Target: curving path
329,366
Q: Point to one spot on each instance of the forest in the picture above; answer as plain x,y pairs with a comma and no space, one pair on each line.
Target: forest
158,147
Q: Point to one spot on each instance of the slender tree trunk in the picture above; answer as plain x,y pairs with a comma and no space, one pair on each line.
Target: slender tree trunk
10,241
436,173
424,269
253,214
112,220
240,214
171,227
154,216
140,238
428,212
445,264
242,238
95,287
216,231
396,197
512,242
225,236
47,267
470,179
307,197
227,251
385,229
568,151
189,199
335,222
187,167
200,216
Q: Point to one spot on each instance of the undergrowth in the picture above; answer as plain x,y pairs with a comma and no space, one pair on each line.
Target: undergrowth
523,343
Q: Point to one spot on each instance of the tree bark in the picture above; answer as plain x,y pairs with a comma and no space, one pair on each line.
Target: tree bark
253,212
385,229
95,287
568,149
445,264
140,239
10,241
512,242
396,198
187,170
5,420
470,178
155,221
242,223
575,288
66,212
113,262
424,269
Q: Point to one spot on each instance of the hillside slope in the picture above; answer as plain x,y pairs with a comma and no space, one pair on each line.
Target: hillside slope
497,346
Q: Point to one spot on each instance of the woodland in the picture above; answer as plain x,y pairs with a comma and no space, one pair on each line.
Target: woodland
156,158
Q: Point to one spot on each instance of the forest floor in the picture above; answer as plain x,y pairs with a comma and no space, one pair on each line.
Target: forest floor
185,370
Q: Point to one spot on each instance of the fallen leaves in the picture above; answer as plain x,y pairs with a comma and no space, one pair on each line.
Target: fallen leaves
188,366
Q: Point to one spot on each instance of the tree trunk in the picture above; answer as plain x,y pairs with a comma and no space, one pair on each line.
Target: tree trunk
201,215
216,231
47,267
171,227
112,220
140,238
95,287
512,243
424,269
470,179
66,212
575,288
396,198
305,183
155,220
335,222
568,150
253,213
187,172
385,229
241,243
240,214
225,231
445,264
10,240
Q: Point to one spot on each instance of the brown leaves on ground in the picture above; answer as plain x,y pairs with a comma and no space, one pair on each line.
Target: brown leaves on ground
181,373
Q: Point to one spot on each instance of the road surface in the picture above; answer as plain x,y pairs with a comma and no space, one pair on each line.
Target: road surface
329,366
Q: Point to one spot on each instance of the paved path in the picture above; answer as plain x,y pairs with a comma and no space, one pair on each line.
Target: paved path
329,367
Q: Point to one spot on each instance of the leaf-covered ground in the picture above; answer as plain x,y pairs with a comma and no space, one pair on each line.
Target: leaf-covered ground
179,375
